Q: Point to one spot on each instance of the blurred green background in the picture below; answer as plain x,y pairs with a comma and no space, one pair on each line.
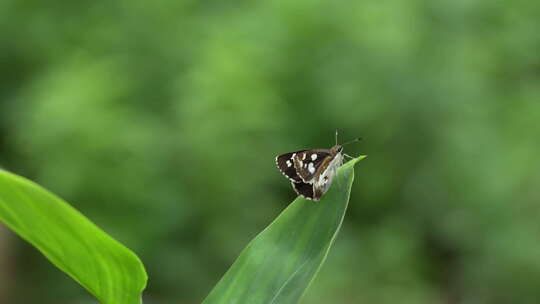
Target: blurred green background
160,121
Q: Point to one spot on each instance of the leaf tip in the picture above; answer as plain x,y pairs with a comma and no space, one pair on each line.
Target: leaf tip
357,159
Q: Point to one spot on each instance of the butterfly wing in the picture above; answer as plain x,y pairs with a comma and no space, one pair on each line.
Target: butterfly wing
323,181
308,162
310,171
285,164
304,189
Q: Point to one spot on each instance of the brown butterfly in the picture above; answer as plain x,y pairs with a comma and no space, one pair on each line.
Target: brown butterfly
311,171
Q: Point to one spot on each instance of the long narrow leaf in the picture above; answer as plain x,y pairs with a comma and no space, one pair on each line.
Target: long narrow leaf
279,264
107,269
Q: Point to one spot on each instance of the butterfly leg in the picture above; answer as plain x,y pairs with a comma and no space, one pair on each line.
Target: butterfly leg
347,155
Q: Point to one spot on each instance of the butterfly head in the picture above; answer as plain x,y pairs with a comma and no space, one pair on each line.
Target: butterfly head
336,149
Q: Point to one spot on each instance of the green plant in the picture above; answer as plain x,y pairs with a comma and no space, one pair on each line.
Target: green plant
280,263
276,267
107,269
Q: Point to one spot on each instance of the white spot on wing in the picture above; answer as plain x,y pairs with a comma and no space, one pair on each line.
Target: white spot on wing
304,156
301,163
289,163
311,169
313,156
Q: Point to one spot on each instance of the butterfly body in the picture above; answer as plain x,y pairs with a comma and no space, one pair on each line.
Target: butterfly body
311,172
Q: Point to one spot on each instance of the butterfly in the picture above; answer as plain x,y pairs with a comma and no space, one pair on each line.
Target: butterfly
311,172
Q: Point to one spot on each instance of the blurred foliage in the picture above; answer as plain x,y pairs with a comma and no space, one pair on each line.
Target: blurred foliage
160,120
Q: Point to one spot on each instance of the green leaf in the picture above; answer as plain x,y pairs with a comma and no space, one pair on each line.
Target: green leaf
278,265
107,269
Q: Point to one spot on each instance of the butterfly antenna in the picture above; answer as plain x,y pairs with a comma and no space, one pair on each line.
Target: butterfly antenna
351,141
336,136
